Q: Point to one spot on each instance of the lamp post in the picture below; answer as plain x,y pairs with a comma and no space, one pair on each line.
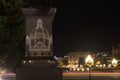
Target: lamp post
89,62
114,62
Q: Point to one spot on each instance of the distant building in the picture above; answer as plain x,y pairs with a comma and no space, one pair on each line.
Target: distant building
116,51
103,58
75,59
103,54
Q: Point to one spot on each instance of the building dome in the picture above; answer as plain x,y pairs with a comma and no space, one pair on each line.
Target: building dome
39,39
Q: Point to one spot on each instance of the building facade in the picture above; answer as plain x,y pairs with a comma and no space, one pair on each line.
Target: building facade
116,51
76,59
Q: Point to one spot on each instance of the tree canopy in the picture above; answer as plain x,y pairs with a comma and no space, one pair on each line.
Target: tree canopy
12,32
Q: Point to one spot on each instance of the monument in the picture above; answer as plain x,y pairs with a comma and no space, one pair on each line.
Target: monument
38,63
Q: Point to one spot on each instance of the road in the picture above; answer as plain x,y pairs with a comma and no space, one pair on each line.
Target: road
94,75
8,76
78,76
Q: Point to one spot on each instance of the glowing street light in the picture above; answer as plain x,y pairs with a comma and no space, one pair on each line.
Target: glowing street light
114,62
89,61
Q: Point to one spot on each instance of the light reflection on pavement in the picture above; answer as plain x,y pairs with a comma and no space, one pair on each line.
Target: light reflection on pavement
95,75
8,76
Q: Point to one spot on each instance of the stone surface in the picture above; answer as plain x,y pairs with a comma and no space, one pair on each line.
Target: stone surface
39,74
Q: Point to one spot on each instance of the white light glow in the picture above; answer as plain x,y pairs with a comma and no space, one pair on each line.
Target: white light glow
114,62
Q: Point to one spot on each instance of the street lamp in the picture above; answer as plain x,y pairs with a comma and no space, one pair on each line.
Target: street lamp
89,62
114,62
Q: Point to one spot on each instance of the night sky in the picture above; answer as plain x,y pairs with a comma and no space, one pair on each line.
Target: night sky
88,25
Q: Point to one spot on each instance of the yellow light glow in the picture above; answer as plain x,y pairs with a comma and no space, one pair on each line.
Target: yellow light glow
114,62
3,72
98,62
89,60
87,69
30,61
100,65
74,69
78,69
104,65
82,69
97,65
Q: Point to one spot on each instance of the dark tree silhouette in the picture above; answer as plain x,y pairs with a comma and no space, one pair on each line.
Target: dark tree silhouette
12,28
12,32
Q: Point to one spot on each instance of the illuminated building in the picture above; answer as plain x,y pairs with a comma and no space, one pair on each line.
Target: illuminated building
76,59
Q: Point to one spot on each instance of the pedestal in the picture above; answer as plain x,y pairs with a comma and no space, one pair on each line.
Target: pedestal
38,74
38,68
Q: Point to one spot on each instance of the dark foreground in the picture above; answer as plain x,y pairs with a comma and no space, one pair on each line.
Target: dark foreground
77,76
